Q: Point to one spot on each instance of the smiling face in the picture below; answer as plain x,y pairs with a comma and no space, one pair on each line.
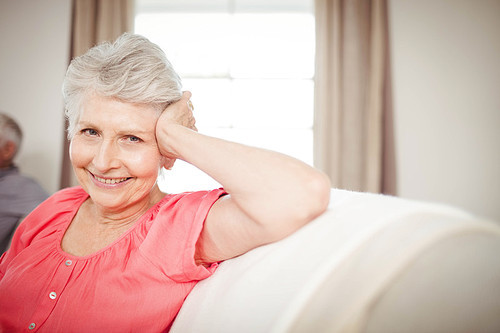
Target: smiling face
115,155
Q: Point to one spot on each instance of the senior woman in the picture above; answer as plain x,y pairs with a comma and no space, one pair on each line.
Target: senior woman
117,254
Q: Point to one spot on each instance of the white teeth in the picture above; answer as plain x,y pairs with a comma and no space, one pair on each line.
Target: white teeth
110,181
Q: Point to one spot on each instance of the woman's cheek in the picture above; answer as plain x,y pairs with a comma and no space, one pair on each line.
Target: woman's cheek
147,159
144,163
79,152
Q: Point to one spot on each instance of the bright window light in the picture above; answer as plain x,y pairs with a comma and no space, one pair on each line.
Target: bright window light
250,67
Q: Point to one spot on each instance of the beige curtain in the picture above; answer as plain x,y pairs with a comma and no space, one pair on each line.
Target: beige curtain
353,115
93,22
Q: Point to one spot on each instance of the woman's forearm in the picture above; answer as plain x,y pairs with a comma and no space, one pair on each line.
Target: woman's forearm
271,188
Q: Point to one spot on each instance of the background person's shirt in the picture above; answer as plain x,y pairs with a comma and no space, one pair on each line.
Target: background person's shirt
19,195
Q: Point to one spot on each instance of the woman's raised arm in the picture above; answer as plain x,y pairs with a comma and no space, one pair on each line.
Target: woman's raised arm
270,194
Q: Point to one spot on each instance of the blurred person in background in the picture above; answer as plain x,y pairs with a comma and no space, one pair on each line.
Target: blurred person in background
19,194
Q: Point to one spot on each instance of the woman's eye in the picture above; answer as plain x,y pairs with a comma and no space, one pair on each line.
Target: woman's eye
89,131
132,138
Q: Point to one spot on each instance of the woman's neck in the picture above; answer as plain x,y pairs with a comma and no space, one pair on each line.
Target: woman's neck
122,216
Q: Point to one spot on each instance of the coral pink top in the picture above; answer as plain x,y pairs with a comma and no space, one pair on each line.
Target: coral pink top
138,283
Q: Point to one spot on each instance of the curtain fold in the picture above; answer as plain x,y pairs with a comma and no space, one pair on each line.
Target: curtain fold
93,22
353,120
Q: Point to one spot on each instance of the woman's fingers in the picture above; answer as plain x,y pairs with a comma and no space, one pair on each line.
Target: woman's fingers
192,124
192,119
186,95
180,112
189,120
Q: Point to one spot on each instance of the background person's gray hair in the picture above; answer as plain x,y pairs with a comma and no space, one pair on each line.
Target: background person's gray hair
10,131
132,69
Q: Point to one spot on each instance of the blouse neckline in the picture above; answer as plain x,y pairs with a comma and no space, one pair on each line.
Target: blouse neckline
64,227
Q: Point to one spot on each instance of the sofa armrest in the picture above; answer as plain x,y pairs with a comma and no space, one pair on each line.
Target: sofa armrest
371,263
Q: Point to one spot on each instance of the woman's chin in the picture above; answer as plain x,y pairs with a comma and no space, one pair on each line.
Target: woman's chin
110,201
122,197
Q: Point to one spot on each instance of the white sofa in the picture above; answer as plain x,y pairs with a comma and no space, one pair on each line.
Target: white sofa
371,263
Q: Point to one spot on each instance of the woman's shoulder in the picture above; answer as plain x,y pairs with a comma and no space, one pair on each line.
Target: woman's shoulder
62,200
67,199
191,199
186,205
69,193
174,229
50,216
62,203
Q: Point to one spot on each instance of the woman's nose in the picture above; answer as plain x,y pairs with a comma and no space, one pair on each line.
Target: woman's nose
106,156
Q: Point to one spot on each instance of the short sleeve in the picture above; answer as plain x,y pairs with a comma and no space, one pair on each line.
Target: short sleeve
170,243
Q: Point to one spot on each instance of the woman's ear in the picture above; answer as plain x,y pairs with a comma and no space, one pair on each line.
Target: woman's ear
168,163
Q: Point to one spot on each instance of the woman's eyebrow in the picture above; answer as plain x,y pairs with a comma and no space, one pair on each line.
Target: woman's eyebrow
134,132
129,130
85,124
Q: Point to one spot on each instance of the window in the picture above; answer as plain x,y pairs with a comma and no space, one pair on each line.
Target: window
250,67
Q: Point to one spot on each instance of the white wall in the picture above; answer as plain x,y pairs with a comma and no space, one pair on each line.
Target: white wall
446,79
34,53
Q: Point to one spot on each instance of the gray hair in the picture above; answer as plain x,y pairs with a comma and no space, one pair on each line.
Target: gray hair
132,69
10,131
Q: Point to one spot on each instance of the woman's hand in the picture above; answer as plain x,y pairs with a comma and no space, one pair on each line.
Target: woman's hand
179,113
